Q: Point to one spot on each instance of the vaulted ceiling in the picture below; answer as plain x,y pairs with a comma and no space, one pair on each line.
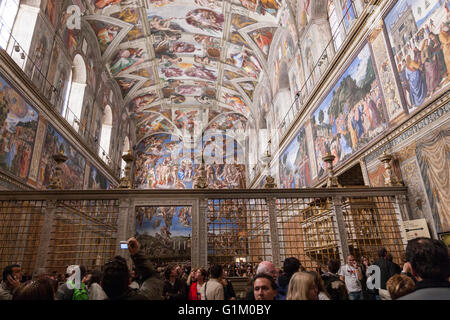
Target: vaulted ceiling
186,65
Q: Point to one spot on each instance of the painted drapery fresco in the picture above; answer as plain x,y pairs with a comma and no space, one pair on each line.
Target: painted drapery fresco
351,115
164,232
433,156
18,125
295,170
419,35
72,169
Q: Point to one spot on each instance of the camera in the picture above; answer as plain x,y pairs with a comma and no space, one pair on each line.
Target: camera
123,245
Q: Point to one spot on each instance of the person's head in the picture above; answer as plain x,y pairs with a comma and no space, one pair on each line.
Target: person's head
382,253
41,289
216,271
399,285
365,260
264,287
302,287
266,267
201,274
116,277
350,260
319,282
429,259
14,271
389,257
291,265
170,271
333,265
95,277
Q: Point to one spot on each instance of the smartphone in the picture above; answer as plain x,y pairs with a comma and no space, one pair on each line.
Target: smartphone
123,245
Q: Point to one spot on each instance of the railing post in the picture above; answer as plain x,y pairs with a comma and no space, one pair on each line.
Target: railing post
401,213
199,243
43,250
339,224
122,225
273,227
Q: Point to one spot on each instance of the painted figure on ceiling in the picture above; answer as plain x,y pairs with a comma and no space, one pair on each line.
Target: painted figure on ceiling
205,19
104,3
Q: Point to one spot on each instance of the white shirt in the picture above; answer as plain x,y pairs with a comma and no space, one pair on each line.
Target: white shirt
214,290
351,278
95,292
323,296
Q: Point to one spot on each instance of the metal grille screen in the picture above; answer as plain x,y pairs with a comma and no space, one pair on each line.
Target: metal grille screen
20,231
84,232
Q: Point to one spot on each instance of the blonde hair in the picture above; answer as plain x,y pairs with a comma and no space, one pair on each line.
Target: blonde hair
399,285
300,285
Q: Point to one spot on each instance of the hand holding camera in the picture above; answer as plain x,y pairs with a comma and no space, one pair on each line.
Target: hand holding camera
133,246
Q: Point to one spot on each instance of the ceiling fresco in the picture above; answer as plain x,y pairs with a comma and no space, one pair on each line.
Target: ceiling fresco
187,69
180,63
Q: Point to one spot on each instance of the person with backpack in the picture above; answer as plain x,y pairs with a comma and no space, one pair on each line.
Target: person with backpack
74,288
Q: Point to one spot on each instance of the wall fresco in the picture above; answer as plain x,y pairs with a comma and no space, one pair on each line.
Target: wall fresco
351,115
18,126
419,36
72,169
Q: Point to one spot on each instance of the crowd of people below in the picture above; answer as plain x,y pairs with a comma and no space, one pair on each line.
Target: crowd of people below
424,276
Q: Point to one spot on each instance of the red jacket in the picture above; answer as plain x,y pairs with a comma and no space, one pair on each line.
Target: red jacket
192,295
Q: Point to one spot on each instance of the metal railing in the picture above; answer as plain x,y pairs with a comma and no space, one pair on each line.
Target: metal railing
53,229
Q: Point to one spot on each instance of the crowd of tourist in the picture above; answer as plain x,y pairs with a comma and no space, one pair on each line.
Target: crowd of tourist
424,276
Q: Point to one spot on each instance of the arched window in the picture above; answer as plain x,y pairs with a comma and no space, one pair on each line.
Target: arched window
73,103
126,147
8,12
105,136
335,25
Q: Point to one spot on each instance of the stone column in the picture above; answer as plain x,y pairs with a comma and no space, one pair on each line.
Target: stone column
199,242
274,235
339,225
401,213
122,224
44,243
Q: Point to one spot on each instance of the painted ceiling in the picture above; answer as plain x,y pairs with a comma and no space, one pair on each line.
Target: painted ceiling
186,63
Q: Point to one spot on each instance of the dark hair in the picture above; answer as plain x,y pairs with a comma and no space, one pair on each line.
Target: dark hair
333,265
116,276
204,273
428,258
41,289
168,271
8,271
216,271
382,252
96,277
83,271
291,265
265,276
